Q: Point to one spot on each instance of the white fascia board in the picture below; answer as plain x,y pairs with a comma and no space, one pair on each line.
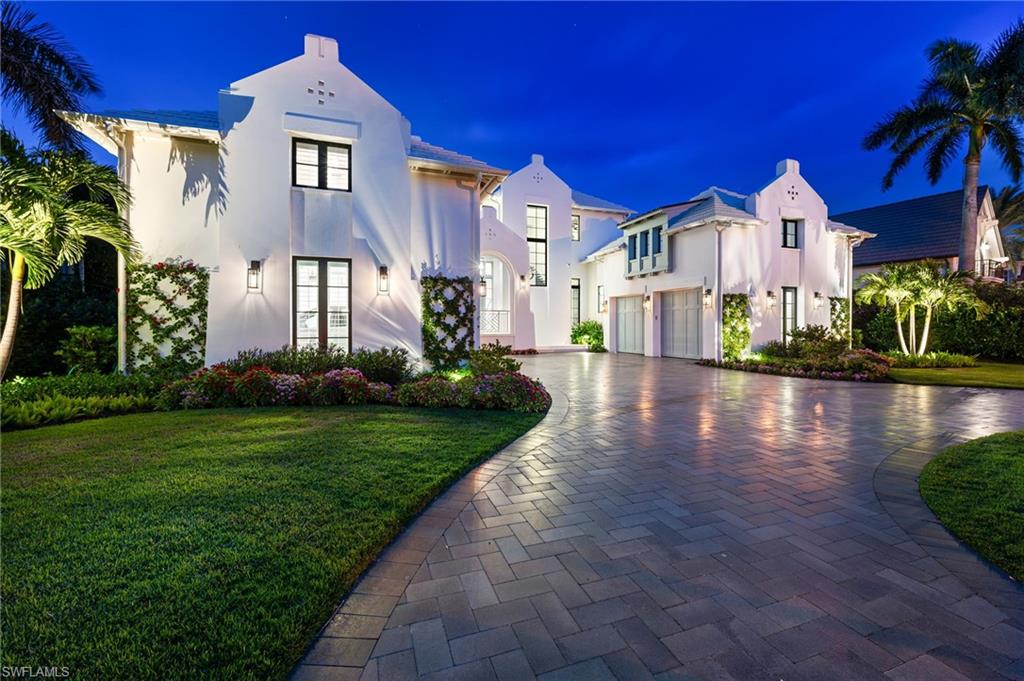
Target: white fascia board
726,222
102,129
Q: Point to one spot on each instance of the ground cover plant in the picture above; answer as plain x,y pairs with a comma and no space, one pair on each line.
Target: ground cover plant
977,490
211,544
984,374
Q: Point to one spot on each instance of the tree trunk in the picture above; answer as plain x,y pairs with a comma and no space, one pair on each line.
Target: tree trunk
899,331
13,313
912,323
969,217
924,332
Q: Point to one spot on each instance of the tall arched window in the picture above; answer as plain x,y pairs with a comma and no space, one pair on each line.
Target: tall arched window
496,305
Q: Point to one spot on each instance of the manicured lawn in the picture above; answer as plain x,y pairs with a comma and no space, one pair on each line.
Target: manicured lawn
211,544
985,375
977,490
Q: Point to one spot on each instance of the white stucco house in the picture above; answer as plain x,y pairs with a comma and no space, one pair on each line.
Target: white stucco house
317,212
307,197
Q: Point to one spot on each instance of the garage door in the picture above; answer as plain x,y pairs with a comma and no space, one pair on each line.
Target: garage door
630,324
680,323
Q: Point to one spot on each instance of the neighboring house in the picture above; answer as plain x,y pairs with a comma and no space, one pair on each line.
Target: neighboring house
661,282
308,177
536,233
928,228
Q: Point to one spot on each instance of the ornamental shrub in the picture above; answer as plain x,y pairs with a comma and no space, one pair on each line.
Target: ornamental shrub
839,316
998,334
386,365
256,388
511,391
338,386
54,409
589,333
932,360
430,391
78,385
735,324
212,387
492,358
380,393
89,349
290,389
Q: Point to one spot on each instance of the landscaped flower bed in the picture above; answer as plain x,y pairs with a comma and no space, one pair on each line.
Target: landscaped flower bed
855,365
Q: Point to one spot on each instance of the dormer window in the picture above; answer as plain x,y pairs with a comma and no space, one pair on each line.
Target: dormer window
789,233
321,165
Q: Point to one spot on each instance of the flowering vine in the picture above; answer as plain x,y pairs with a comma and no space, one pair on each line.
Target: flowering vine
167,304
448,313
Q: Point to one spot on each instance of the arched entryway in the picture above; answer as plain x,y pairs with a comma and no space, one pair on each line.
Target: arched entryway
496,304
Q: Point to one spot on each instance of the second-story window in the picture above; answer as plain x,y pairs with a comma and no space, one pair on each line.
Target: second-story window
656,240
537,241
789,230
632,247
321,165
643,244
575,228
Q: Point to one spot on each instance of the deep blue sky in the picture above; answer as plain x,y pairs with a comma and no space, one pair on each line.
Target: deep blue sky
640,104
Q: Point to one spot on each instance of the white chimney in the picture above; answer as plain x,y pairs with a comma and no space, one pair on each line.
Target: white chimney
321,47
787,165
536,158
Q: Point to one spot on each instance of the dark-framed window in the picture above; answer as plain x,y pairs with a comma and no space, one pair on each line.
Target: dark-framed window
656,240
537,242
788,311
600,297
321,165
322,302
632,247
644,240
574,300
575,229
789,233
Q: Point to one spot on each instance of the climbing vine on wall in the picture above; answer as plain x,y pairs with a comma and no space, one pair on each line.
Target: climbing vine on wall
839,315
448,313
167,314
735,324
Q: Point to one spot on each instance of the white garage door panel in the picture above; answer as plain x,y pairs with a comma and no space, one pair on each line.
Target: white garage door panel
680,323
630,324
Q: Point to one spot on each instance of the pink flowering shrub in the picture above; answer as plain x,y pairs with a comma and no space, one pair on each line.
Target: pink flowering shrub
338,386
290,389
255,388
431,391
511,391
380,393
850,365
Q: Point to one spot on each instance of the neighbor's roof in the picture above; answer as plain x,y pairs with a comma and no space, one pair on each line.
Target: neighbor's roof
583,200
430,152
925,227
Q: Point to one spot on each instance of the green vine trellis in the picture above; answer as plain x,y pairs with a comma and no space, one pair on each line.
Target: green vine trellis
448,313
839,316
735,325
167,311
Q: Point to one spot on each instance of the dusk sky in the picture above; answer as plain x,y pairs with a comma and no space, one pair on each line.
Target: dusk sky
639,104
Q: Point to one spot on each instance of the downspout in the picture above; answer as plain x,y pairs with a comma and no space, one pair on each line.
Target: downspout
719,227
474,246
122,271
849,293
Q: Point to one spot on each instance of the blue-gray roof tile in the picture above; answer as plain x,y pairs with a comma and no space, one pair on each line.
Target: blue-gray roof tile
186,119
584,200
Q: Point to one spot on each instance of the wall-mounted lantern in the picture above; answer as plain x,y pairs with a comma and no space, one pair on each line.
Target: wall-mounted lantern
819,300
522,281
604,307
383,280
647,302
707,298
770,300
483,288
254,276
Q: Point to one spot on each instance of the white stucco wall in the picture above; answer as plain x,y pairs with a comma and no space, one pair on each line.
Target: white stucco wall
501,241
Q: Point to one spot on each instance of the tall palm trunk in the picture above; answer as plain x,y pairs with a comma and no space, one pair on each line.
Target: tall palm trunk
912,323
927,327
969,216
13,312
899,331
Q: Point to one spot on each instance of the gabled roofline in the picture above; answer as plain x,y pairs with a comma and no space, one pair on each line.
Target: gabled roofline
102,129
653,212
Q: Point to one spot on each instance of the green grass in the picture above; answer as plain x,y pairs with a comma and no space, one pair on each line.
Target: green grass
977,490
985,375
211,544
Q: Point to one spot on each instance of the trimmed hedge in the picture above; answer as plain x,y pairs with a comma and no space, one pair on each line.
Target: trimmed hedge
20,390
852,365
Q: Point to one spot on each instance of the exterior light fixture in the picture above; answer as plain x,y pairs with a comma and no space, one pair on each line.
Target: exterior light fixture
771,300
483,288
254,275
383,280
819,300
522,281
647,302
707,298
604,307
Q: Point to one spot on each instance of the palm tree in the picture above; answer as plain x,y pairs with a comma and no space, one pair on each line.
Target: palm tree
971,96
42,74
1009,205
891,286
42,226
937,291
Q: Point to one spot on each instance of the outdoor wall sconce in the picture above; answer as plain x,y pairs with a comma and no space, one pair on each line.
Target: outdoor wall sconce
604,307
483,288
771,300
819,300
707,298
254,275
647,302
383,280
522,281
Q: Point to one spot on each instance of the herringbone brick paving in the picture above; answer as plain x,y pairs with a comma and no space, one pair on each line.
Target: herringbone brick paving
671,521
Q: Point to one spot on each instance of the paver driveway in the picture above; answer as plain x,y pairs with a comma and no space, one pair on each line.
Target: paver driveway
682,522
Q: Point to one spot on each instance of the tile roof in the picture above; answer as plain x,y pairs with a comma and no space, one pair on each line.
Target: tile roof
185,119
430,152
713,203
925,227
583,200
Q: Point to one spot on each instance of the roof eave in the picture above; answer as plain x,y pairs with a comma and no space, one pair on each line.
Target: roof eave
100,128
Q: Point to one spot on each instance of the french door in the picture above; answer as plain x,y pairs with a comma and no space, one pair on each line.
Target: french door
322,302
